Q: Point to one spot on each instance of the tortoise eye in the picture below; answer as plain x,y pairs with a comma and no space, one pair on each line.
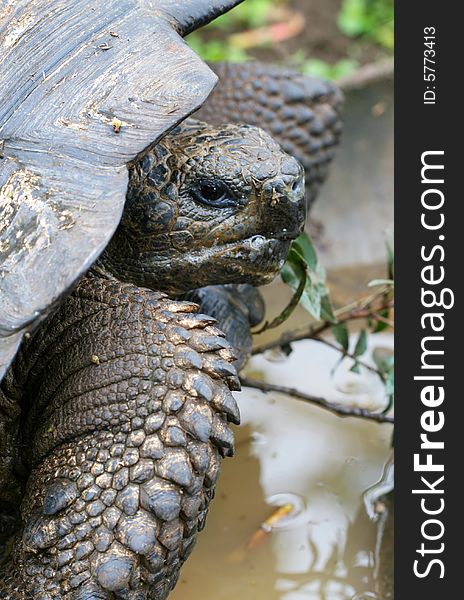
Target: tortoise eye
212,192
215,194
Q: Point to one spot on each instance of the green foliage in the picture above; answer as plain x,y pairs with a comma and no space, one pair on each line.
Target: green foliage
216,50
320,68
371,18
357,18
305,276
361,344
249,14
388,285
391,260
288,310
382,325
385,363
302,266
340,333
359,349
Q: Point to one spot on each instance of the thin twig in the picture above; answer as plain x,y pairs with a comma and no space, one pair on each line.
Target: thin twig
367,301
368,74
383,320
316,329
350,355
337,409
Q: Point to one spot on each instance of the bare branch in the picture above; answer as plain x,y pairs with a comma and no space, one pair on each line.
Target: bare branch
366,75
350,355
350,313
337,409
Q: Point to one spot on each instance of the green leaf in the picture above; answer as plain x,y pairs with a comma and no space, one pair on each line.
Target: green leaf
290,275
355,368
381,325
384,359
385,36
371,18
320,68
341,335
352,18
385,363
216,50
390,385
391,261
250,14
361,344
327,310
333,370
294,274
302,262
294,270
310,298
305,247
390,390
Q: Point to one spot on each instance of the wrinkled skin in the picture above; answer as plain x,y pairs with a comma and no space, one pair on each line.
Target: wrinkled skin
125,394
208,205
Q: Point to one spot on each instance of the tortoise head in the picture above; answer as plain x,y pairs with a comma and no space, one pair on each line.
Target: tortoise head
208,205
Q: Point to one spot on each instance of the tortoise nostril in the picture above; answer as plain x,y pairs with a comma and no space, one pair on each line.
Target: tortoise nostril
297,188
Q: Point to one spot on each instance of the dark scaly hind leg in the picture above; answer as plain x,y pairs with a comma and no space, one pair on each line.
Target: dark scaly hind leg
302,113
127,426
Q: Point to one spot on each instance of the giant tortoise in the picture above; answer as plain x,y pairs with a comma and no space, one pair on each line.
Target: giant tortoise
116,208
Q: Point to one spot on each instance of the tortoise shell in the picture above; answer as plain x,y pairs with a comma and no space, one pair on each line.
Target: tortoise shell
85,88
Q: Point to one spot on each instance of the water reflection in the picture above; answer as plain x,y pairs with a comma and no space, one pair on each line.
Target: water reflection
312,457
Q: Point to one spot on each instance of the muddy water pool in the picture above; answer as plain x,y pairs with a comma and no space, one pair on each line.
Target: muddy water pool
289,452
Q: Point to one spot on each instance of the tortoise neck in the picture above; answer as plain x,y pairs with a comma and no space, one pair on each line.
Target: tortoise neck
101,270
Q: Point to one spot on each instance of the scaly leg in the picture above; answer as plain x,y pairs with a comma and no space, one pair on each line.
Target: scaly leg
236,308
128,401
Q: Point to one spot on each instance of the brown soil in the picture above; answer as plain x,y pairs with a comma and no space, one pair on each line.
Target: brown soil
322,39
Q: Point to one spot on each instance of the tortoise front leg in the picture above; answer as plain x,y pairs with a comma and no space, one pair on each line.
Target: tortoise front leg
236,308
130,409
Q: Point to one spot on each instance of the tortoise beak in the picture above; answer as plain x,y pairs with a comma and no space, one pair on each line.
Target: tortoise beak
283,209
